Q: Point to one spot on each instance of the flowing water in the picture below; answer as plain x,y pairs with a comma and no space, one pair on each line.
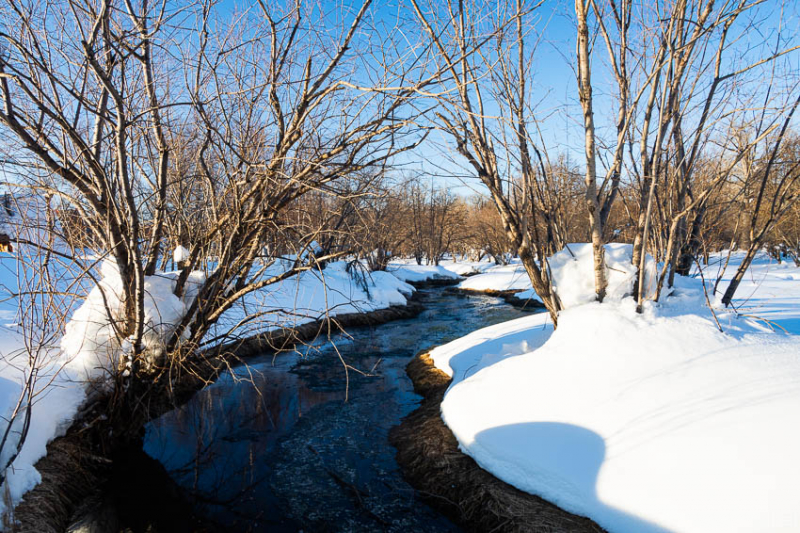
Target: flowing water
273,446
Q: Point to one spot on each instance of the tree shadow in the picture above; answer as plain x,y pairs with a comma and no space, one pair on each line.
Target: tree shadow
562,464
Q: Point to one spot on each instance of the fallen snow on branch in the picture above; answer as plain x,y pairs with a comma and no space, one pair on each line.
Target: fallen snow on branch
649,422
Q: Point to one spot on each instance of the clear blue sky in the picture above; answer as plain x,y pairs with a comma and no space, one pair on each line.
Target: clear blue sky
553,86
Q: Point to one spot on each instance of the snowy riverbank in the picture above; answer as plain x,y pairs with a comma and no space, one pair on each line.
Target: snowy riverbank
647,422
304,299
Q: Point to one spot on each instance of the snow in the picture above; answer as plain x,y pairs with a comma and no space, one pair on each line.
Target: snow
90,341
526,296
92,347
412,272
57,400
313,295
499,278
57,395
467,268
653,422
463,357
573,273
409,270
769,292
180,254
573,278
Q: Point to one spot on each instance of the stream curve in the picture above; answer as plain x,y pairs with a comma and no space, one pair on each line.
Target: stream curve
274,446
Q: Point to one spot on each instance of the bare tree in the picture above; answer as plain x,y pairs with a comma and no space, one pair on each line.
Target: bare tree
773,183
161,125
675,76
483,51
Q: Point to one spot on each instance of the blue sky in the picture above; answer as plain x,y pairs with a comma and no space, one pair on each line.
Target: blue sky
554,89
553,86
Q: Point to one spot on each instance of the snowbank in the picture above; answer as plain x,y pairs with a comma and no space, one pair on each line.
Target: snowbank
340,288
414,273
499,278
467,268
57,398
90,341
313,295
649,422
409,270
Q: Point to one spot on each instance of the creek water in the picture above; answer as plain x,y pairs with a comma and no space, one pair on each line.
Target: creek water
274,446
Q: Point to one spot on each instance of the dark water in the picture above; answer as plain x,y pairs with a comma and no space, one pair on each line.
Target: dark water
275,447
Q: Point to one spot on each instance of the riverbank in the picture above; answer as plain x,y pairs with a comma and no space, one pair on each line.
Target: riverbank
452,482
316,462
516,297
81,461
640,421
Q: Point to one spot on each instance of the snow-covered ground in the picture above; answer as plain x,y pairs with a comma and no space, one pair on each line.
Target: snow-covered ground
653,422
56,391
313,295
409,270
769,292
499,278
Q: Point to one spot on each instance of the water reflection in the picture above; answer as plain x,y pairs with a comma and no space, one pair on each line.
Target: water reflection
274,447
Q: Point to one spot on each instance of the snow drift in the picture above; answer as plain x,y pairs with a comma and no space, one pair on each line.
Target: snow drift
90,341
654,422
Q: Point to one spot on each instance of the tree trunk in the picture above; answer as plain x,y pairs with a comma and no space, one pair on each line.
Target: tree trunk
585,90
737,278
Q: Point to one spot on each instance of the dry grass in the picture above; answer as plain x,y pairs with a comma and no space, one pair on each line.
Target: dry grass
452,482
69,474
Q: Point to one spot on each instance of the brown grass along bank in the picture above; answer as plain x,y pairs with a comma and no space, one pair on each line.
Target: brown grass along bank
453,483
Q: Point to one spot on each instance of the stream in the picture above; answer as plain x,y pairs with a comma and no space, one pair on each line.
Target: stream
273,446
